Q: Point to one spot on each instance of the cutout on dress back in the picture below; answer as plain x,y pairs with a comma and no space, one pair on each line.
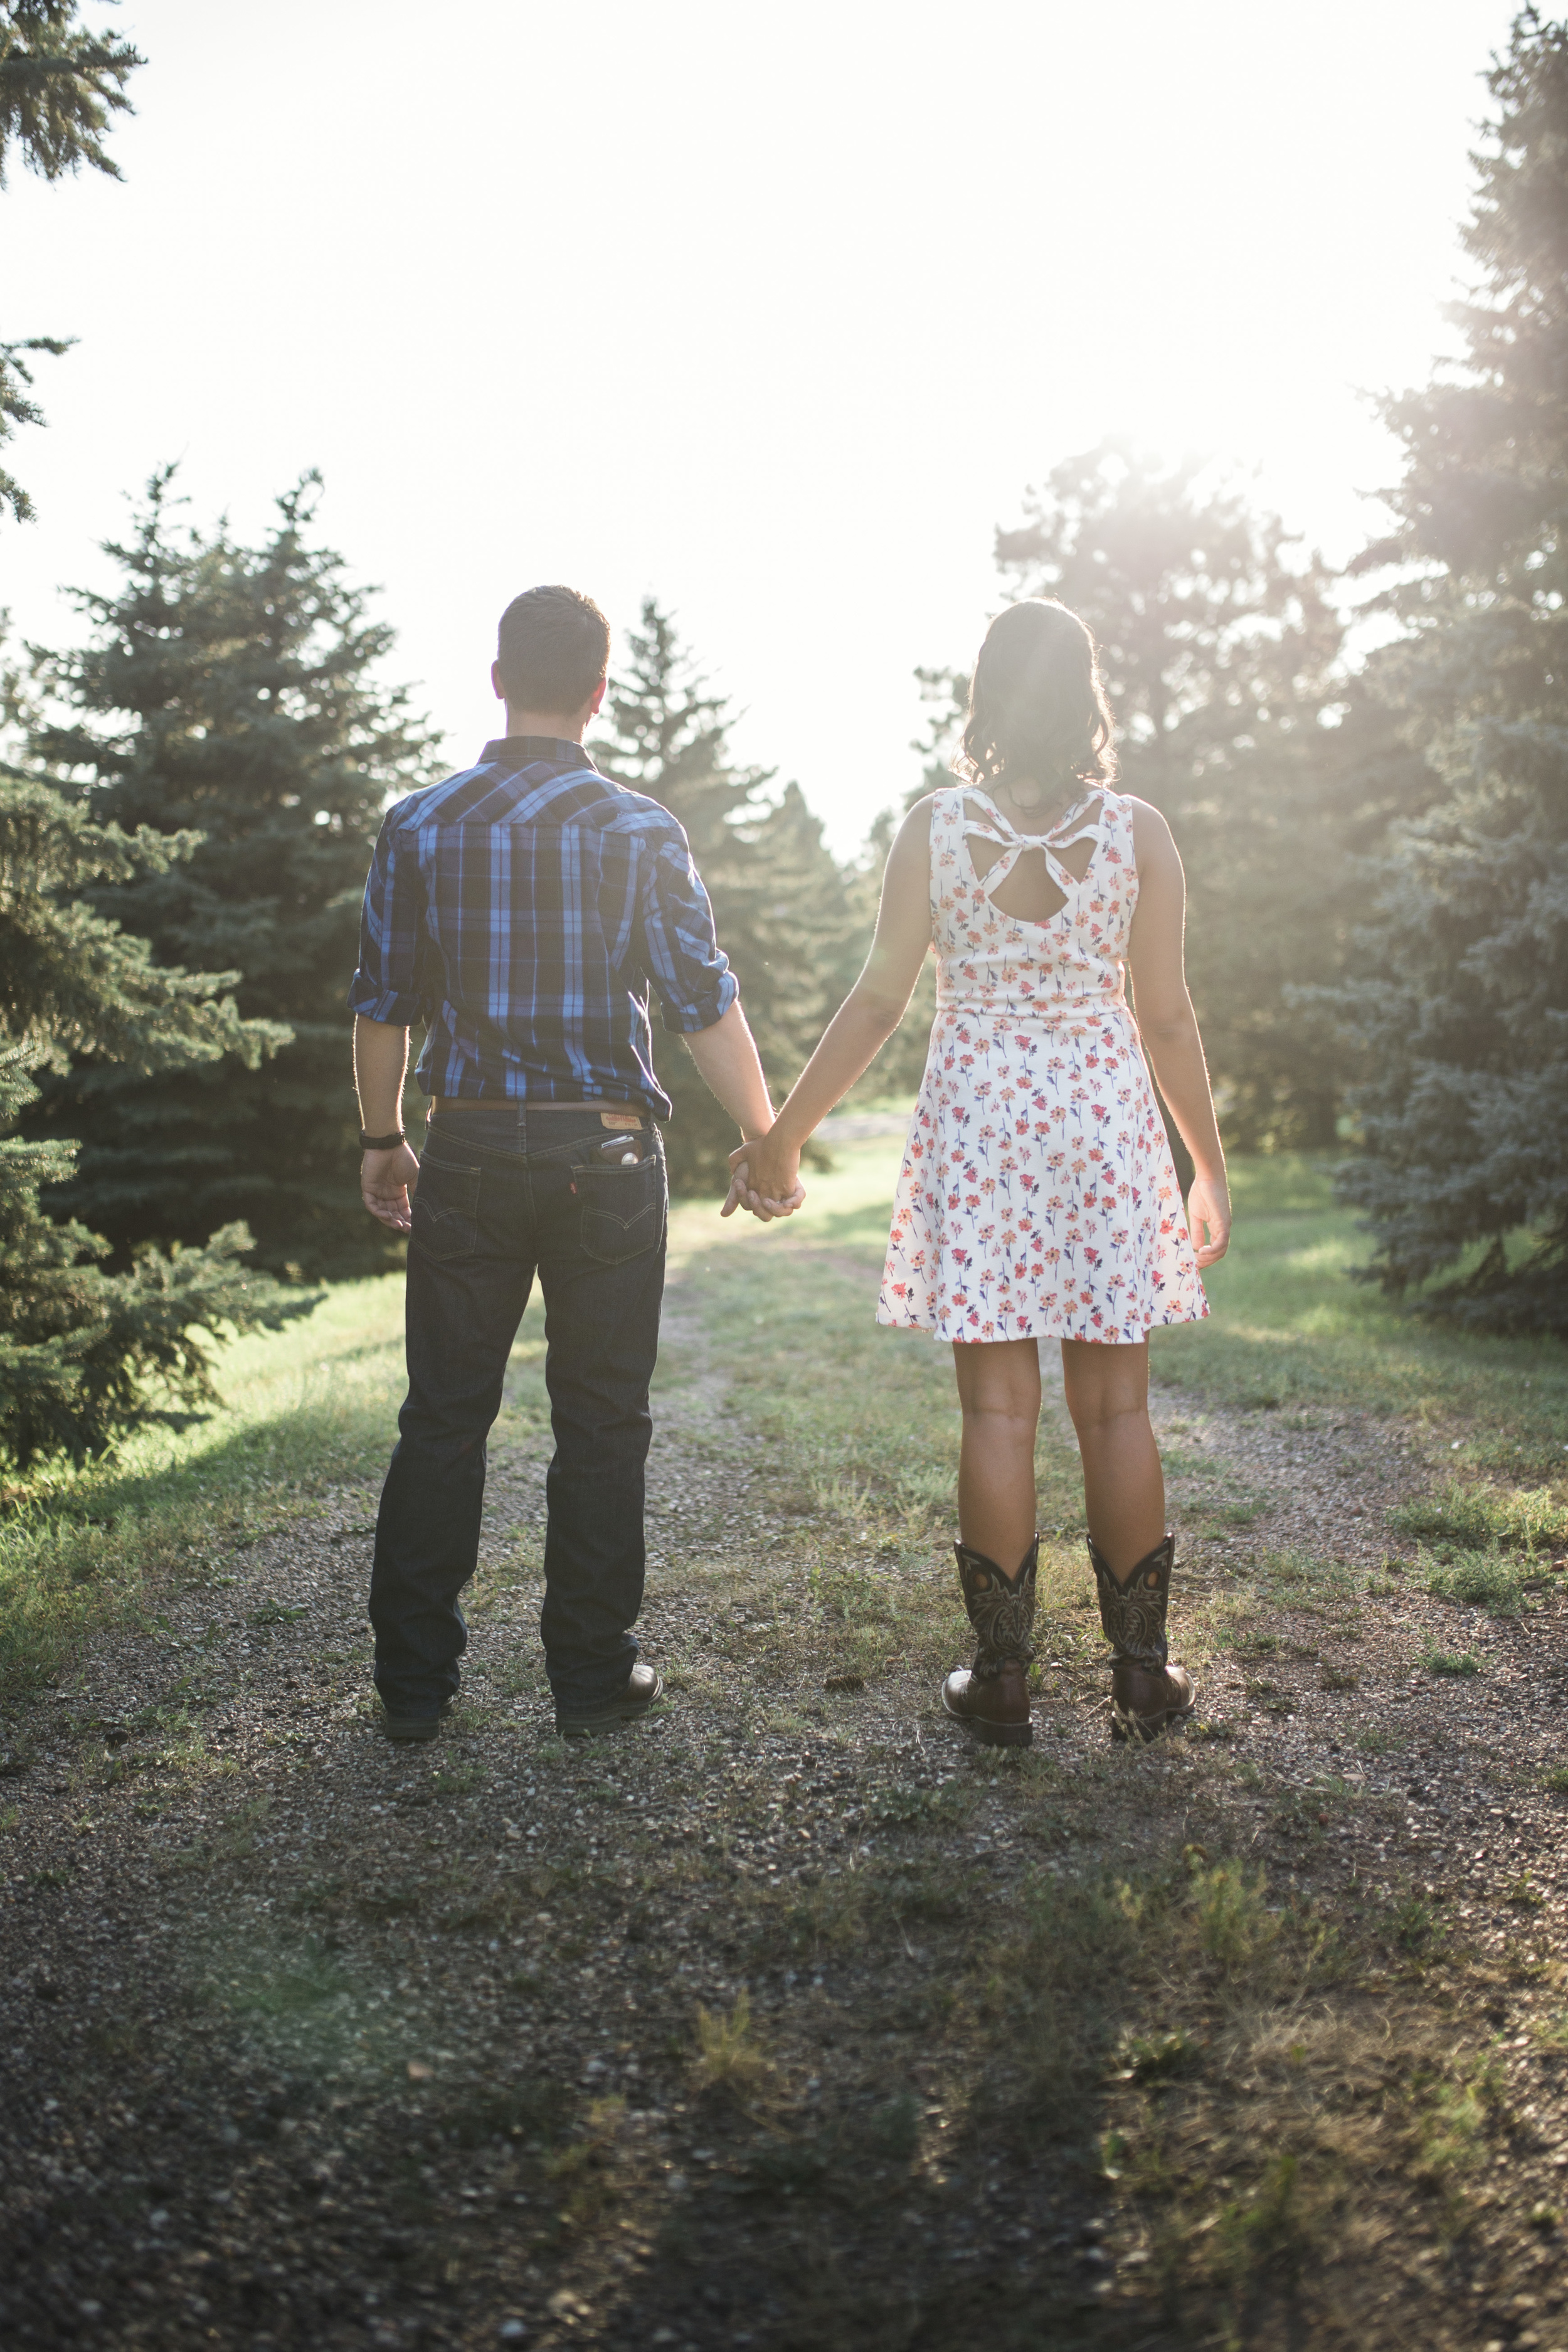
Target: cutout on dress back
1028,892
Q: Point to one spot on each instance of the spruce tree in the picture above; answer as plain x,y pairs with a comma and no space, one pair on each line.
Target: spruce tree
85,1354
1461,1009
231,691
780,902
58,86
1218,643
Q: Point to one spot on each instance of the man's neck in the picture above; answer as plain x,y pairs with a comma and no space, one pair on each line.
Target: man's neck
545,723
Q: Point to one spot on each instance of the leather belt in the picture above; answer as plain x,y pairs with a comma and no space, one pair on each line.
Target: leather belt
443,1104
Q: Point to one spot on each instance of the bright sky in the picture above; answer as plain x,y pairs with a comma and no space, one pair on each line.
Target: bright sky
774,311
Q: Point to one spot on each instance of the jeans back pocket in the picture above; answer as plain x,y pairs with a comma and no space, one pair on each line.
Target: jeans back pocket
445,1221
623,1208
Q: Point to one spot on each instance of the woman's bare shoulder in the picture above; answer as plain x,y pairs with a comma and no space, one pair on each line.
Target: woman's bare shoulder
914,834
1152,836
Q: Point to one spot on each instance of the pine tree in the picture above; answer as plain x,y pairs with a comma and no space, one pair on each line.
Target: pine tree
780,903
85,1354
1218,643
1461,1010
58,86
230,691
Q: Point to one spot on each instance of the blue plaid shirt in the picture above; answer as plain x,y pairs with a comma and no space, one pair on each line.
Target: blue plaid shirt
521,908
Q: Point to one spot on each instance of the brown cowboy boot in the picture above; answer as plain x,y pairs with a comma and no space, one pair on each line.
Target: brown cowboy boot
1145,1693
993,1696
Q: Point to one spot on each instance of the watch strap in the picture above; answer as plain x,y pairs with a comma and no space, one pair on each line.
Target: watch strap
381,1142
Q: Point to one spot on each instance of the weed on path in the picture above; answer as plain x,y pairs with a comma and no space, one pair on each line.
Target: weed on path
787,2019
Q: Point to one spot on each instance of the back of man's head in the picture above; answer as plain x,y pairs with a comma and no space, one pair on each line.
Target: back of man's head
553,649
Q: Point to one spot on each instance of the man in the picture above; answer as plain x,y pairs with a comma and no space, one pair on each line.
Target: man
521,908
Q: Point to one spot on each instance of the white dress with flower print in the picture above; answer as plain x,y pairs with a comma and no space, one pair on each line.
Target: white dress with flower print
1037,1197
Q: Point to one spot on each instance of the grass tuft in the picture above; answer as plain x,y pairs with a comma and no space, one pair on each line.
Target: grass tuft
1453,1662
1155,2057
1481,1517
729,2054
1482,1579
1236,1926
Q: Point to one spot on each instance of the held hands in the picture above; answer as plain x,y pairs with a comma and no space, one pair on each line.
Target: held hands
1208,1210
387,1181
764,1177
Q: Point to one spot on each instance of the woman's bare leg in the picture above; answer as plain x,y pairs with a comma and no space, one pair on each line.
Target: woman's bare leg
1123,1484
999,1393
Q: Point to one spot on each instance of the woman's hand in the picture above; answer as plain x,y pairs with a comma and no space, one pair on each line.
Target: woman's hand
764,1177
1208,1209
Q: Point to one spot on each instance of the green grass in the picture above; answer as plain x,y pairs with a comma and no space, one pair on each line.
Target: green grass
1477,1517
1449,1661
868,1442
871,1439
304,1409
876,1424
1482,1579
1290,1330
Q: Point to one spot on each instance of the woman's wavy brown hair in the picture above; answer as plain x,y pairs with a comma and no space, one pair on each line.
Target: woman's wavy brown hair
1037,708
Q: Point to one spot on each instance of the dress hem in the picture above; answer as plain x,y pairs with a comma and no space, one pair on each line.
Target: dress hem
1054,1331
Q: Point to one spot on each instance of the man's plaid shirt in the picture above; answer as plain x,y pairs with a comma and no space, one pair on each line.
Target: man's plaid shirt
521,908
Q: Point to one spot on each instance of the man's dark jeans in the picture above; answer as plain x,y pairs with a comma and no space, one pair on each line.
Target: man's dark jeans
503,1194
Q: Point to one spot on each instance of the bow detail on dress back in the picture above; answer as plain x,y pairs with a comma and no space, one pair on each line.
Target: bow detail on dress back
1072,826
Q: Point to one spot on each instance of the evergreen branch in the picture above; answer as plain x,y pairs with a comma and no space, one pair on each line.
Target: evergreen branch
59,85
126,1346
16,408
71,982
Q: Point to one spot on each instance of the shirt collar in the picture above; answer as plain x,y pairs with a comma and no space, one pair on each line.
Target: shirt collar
533,751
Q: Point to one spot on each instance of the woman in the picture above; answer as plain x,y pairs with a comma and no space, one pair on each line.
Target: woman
1037,1197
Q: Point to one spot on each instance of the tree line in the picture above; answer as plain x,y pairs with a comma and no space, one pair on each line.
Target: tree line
1375,847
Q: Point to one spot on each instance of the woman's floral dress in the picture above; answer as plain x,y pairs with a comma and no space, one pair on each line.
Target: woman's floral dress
1037,1197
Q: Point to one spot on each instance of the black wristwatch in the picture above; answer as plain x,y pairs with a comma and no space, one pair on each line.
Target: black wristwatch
381,1142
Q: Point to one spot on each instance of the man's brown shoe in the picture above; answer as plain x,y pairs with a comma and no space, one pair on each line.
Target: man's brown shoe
414,1727
997,1711
645,1689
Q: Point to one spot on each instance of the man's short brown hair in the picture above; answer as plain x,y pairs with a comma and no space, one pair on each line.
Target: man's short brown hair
554,649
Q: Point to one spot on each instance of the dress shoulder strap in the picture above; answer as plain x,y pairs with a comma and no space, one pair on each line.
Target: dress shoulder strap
946,818
1117,821
946,836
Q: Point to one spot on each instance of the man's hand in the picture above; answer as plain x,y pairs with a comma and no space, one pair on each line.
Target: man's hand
764,1177
387,1181
741,1197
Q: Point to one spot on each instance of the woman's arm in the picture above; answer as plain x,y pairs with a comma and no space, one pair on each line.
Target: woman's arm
1168,1025
767,1172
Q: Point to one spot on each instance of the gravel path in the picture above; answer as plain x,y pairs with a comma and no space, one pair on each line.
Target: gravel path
313,2042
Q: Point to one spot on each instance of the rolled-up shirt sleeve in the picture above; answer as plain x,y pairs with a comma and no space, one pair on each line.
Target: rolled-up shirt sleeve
683,957
386,986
